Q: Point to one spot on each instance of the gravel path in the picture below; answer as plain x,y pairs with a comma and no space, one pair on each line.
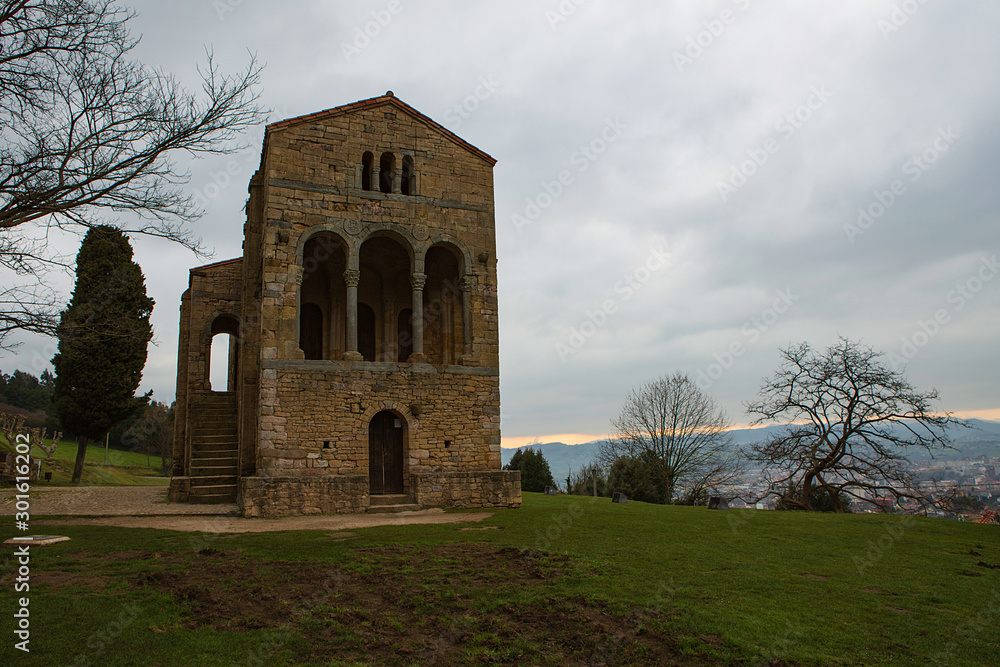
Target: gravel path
147,507
106,501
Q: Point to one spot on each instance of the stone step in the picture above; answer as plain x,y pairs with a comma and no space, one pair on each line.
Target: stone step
219,491
222,458
214,498
385,509
225,468
390,499
213,437
215,447
208,482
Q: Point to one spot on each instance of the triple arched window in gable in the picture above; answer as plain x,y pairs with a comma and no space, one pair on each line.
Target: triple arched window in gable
386,176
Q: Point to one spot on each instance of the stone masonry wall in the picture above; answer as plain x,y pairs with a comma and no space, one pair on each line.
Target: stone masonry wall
469,489
284,496
213,290
317,423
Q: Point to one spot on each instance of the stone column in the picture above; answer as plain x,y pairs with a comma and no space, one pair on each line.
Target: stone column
468,284
351,279
417,281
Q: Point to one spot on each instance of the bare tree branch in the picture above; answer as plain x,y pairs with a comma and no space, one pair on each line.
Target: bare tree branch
674,422
88,131
852,423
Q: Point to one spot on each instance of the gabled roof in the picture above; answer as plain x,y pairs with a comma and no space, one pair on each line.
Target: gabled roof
373,102
216,264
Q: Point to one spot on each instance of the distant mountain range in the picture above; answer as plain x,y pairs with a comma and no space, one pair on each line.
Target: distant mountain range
982,440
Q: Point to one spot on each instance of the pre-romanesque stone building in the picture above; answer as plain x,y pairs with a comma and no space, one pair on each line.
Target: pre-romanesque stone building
362,320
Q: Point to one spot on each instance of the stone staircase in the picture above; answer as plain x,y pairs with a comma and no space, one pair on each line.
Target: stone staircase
214,448
400,502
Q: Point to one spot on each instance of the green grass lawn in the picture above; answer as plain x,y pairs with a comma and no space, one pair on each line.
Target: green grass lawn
122,468
562,580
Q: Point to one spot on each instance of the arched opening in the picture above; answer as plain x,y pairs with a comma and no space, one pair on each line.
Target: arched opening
406,183
367,330
386,171
367,164
223,354
443,324
323,298
384,287
311,331
404,335
385,453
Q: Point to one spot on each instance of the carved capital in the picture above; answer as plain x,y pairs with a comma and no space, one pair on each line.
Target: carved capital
418,280
468,283
352,277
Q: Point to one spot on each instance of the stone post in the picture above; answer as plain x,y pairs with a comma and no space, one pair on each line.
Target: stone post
351,279
417,281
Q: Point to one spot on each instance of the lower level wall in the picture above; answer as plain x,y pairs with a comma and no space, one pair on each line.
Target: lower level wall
284,496
500,488
346,494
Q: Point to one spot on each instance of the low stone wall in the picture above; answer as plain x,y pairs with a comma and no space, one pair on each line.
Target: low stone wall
348,494
287,496
468,489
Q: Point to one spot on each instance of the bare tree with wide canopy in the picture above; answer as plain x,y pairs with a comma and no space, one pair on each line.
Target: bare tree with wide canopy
679,428
852,423
87,130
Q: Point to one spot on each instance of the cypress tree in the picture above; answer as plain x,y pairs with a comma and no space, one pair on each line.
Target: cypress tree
103,336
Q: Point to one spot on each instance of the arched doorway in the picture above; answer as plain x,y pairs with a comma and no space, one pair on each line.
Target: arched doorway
385,453
223,354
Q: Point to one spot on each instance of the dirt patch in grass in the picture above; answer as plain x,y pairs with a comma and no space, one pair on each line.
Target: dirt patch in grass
395,605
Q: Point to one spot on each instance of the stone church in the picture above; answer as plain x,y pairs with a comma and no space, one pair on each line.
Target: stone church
361,323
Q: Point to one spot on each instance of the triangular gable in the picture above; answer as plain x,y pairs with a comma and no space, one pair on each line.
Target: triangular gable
374,102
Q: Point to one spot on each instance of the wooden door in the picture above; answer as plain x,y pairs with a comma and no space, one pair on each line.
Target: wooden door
385,454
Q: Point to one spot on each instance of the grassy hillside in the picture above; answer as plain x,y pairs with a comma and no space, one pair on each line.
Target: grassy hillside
561,580
122,468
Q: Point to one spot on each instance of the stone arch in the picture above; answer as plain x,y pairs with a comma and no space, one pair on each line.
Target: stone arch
443,320
455,245
334,229
323,259
385,266
221,323
396,232
404,411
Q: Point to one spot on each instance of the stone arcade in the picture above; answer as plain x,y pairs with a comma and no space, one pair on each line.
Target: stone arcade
362,327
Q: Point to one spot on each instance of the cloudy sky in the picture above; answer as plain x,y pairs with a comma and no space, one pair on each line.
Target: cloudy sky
681,185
